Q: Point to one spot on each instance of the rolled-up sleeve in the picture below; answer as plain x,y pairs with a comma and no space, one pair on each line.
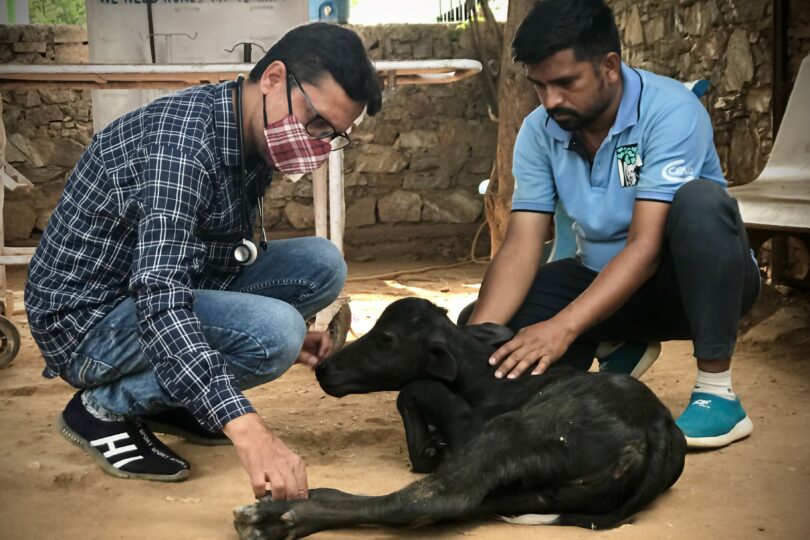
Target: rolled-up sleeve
175,188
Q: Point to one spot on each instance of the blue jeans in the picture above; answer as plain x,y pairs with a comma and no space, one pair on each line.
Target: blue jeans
258,325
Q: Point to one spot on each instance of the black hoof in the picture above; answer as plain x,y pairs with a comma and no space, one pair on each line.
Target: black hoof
265,520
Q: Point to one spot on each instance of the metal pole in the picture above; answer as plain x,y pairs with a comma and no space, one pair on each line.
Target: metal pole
781,13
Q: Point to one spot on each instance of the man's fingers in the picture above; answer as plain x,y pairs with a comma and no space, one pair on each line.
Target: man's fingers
504,351
326,345
520,368
300,473
279,485
259,483
508,364
542,366
307,359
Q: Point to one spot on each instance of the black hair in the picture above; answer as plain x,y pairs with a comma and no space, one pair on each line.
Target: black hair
586,26
312,50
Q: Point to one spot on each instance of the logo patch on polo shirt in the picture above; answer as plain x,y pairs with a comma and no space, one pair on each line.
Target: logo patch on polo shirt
629,162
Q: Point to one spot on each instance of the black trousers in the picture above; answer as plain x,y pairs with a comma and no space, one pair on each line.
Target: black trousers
705,282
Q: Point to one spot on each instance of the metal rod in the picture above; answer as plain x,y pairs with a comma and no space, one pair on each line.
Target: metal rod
781,13
151,31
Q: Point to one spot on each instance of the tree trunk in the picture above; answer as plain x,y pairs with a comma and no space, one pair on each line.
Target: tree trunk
516,99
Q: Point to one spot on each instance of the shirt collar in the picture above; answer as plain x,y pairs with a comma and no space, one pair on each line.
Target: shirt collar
627,115
225,121
630,106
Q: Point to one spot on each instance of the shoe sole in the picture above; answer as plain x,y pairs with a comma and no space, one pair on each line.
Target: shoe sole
102,462
166,429
650,356
742,430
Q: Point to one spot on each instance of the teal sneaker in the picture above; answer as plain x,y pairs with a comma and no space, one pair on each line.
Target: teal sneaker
711,421
630,357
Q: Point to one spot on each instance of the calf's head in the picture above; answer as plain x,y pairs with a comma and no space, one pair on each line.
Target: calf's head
413,339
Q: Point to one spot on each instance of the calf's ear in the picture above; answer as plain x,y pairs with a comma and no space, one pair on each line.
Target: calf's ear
441,362
491,334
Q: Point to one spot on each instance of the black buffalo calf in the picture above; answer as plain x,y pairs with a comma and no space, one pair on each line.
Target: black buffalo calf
584,449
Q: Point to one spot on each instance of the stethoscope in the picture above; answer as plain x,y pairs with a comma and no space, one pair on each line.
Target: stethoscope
246,251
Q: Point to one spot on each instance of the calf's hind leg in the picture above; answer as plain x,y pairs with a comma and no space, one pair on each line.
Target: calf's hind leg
458,489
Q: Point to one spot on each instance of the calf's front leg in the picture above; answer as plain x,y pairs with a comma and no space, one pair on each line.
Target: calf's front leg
434,418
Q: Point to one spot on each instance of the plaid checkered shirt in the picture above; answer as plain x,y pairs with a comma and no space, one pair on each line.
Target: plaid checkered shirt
151,211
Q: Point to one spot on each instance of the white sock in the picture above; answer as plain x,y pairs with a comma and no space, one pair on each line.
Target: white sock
99,412
717,384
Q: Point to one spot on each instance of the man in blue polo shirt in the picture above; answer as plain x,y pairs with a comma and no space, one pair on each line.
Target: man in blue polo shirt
661,249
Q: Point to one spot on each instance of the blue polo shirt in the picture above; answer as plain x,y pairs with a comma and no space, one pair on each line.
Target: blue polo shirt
662,138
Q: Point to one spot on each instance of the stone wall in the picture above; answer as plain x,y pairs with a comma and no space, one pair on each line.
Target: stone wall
419,160
47,130
422,157
417,164
728,42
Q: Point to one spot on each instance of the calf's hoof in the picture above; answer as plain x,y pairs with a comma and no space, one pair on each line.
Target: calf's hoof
264,520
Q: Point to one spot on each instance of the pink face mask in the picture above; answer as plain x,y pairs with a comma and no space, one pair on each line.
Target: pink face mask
291,148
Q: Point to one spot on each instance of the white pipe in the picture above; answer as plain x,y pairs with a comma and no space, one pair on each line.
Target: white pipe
337,206
319,200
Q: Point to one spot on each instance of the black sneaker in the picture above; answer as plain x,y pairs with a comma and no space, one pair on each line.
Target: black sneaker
126,449
181,423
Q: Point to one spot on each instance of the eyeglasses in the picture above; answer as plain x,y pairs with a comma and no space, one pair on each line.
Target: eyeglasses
319,127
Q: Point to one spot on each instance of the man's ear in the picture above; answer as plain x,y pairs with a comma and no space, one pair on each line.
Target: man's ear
274,74
612,66
441,362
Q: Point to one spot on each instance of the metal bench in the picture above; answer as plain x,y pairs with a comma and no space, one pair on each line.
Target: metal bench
776,206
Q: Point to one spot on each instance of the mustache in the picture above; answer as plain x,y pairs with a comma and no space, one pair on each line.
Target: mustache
563,110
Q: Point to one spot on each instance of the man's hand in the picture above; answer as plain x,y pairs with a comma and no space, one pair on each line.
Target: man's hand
267,459
541,344
317,346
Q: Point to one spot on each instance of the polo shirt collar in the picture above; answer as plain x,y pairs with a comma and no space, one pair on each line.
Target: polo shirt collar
627,115
630,105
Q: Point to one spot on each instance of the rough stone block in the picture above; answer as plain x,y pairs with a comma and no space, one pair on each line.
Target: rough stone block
361,212
455,207
281,189
10,33
633,32
380,159
68,33
42,175
300,216
60,152
424,162
419,138
400,206
35,32
41,116
23,145
71,53
57,96
425,182
386,134
739,61
19,219
30,47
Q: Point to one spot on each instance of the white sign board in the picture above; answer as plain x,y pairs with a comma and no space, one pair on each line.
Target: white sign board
183,32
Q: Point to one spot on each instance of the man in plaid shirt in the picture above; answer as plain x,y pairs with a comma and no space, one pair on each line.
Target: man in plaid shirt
136,294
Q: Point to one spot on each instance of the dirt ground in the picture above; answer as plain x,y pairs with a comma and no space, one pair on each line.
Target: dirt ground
757,488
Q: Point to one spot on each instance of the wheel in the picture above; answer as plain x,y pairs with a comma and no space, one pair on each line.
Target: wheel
339,327
9,341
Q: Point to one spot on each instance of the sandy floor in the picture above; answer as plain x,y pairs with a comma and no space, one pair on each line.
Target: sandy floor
757,488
